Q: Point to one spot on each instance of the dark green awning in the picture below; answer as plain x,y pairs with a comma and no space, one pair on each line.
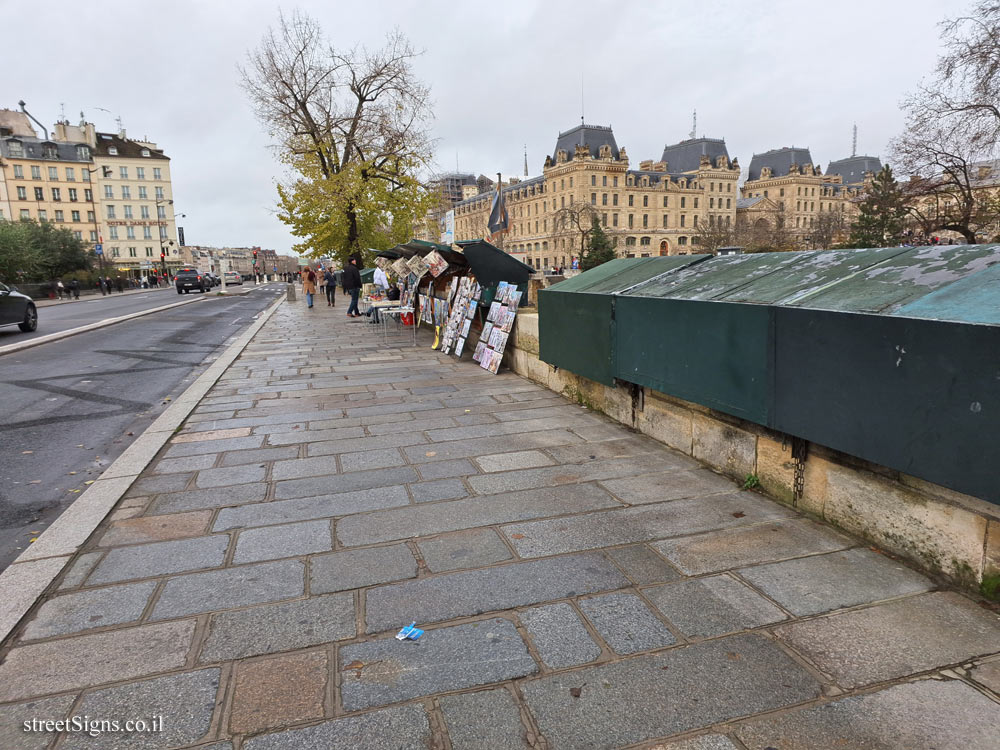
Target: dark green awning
491,265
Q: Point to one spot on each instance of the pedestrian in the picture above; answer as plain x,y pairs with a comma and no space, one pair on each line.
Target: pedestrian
119,284
321,280
100,285
381,288
74,287
109,284
331,287
61,289
352,285
309,286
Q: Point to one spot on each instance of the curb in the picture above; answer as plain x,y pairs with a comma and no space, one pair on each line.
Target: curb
11,348
29,576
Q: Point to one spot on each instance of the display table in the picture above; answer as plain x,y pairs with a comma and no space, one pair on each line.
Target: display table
392,309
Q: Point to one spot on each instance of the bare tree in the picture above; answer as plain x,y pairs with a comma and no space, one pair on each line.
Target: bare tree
577,218
829,229
352,124
712,236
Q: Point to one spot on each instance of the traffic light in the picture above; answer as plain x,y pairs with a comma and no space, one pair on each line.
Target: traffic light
163,256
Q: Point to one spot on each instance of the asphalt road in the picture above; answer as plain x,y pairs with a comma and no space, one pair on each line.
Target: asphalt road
68,408
62,317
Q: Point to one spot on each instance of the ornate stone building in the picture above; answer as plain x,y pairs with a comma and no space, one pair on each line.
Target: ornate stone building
656,209
804,199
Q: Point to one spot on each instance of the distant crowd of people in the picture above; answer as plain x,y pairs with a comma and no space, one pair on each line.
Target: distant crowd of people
106,285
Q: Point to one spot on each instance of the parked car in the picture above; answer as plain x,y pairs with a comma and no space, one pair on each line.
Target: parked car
191,278
233,278
17,309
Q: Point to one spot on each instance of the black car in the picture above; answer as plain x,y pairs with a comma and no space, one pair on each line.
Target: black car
191,278
17,308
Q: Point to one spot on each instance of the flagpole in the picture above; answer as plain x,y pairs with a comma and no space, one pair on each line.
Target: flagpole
500,194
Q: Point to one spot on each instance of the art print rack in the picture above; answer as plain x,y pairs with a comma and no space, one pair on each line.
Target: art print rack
496,330
463,310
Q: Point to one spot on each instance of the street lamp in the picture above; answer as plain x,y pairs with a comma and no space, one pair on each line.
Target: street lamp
105,172
163,256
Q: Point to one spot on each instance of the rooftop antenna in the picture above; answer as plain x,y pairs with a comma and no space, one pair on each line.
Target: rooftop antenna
62,112
854,144
525,159
694,125
581,99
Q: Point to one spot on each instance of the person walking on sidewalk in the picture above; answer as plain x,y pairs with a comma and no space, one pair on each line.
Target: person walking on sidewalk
309,286
74,287
331,287
352,285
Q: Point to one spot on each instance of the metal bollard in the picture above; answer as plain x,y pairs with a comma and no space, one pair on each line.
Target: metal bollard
291,293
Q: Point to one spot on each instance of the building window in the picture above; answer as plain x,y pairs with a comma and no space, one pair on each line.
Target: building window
631,220
123,173
682,240
54,174
113,232
143,212
114,251
593,180
36,173
142,193
83,153
130,233
163,233
645,201
156,173
149,250
593,199
696,219
56,194
88,195
696,203
109,192
111,212
683,201
683,219
85,174
18,172
665,216
72,194
727,202
781,193
43,215
614,199
604,180
614,182
39,194
131,252
91,217
25,213
70,174
614,220
631,200
145,152
645,240
630,242
22,193
604,220
711,202
665,201
60,217
75,215
128,212
126,192
159,193
93,235
571,182
78,235
15,149
140,173
645,220
147,232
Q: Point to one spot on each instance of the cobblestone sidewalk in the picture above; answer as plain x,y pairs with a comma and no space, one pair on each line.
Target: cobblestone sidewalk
581,586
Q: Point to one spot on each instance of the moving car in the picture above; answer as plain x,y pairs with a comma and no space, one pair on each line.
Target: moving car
191,278
233,278
17,308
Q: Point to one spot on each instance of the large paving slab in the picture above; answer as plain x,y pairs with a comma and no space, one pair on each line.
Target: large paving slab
82,661
455,515
286,626
476,548
895,639
678,690
811,585
94,608
186,702
13,735
733,548
473,592
356,480
399,728
640,524
524,479
351,569
559,635
484,720
288,540
386,671
160,558
669,485
927,714
306,508
626,623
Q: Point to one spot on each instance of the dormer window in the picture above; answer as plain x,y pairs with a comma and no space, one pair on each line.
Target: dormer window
83,153
50,151
113,150
145,152
15,149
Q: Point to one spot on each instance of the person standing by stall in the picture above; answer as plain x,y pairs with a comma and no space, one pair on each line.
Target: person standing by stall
352,285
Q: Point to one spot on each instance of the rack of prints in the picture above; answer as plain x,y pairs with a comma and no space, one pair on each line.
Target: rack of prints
436,262
463,309
401,268
499,322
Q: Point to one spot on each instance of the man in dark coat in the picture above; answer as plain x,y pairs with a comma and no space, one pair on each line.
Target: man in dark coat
331,287
352,285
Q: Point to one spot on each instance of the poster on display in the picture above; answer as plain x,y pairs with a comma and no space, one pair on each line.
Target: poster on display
383,263
467,293
418,267
496,330
400,268
447,225
436,263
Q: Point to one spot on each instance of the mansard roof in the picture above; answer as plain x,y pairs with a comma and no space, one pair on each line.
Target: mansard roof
592,136
779,160
686,155
852,169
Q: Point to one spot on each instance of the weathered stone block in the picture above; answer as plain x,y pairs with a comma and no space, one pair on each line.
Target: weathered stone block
724,447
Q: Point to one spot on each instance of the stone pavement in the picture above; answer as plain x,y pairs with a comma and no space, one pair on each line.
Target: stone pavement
581,586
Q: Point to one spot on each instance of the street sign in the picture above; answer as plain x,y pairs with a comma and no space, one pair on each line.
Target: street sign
98,250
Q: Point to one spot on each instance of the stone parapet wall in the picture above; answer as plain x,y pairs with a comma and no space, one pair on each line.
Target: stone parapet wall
944,532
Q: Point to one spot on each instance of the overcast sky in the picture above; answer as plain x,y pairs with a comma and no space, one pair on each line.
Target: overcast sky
761,75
